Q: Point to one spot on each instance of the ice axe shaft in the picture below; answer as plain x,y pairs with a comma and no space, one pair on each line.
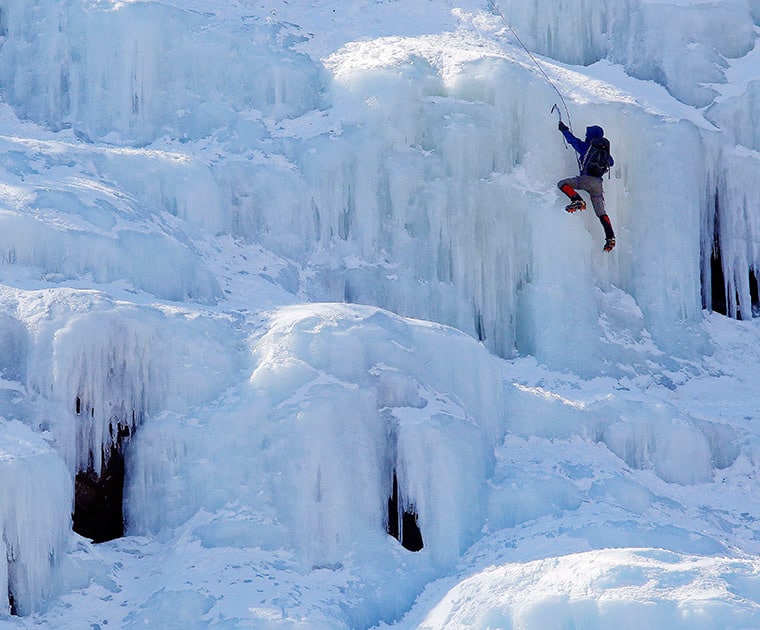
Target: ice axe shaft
559,115
556,109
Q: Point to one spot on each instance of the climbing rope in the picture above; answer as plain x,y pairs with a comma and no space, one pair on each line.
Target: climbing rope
493,7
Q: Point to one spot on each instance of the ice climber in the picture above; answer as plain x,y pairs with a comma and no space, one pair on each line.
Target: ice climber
594,161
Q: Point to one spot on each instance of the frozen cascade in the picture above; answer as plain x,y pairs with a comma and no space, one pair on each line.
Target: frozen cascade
417,164
136,71
134,367
733,224
692,62
457,189
734,227
196,169
84,224
418,167
640,36
460,178
303,402
93,391
111,381
36,496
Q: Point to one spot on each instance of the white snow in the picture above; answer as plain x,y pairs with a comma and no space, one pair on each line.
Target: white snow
629,589
282,253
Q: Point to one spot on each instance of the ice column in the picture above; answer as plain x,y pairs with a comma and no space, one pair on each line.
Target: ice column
36,496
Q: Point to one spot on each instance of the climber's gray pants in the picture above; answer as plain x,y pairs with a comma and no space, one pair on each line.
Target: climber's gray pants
592,185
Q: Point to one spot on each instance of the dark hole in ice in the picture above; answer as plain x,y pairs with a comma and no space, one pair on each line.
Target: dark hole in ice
402,524
718,282
98,498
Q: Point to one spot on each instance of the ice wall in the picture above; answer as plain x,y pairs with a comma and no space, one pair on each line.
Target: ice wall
86,366
85,372
417,174
36,496
681,45
69,210
462,190
693,61
732,223
733,229
340,398
132,72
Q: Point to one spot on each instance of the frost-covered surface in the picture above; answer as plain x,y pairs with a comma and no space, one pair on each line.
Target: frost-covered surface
36,494
684,46
280,252
615,588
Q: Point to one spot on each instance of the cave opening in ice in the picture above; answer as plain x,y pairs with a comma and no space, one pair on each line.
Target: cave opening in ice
717,285
402,521
754,292
99,496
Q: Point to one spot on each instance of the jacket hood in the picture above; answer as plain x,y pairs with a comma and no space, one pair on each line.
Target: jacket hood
594,132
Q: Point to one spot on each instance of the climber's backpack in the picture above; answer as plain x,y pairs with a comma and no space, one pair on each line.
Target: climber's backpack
597,160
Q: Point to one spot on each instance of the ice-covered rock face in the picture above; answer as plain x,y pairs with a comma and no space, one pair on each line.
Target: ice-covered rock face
102,368
334,408
685,46
84,373
462,190
411,173
188,166
36,496
131,72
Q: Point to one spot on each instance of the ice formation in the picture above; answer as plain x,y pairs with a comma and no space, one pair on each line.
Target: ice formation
337,379
308,273
591,590
36,494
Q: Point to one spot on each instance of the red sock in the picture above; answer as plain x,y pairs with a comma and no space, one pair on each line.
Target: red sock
607,225
569,191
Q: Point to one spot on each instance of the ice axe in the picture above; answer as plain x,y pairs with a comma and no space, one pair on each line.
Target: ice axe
555,108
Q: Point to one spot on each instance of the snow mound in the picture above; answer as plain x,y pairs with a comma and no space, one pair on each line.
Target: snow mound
626,588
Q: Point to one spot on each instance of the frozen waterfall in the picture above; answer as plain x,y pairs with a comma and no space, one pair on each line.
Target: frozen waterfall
297,282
